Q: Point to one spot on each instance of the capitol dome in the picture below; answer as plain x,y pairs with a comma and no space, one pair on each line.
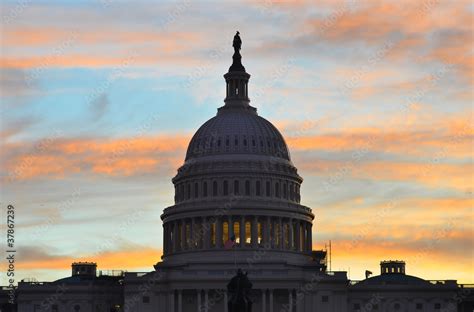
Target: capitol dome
237,187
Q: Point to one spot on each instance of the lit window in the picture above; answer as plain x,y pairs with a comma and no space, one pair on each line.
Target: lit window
248,235
225,231
237,231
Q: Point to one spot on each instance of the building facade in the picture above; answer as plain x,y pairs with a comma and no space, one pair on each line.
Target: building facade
86,290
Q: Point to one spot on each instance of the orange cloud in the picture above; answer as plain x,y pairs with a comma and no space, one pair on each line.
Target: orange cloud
118,157
123,260
452,138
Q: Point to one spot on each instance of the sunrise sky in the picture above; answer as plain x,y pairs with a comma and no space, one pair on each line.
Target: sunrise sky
99,100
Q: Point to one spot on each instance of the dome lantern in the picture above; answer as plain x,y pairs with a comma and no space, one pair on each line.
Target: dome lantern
237,82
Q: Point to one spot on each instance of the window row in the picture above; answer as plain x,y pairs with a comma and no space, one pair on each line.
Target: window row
203,189
237,143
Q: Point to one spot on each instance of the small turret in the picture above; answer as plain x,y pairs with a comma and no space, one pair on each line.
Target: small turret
84,269
392,267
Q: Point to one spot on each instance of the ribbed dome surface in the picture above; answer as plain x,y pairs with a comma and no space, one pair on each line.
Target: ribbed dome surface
237,132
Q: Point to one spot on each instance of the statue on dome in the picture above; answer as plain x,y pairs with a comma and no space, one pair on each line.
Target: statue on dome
237,44
239,288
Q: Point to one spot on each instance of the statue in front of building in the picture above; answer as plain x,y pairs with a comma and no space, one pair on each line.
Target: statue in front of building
239,288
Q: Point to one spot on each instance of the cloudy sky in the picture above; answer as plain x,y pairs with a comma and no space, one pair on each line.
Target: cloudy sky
99,100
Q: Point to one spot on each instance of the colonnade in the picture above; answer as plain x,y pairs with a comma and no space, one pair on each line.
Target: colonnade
254,232
207,299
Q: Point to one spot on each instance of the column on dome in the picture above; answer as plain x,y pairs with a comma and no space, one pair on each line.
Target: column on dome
281,233
183,234
242,231
310,236
170,241
194,234
165,238
175,236
297,240
254,239
291,238
273,232
304,241
267,232
219,232
207,233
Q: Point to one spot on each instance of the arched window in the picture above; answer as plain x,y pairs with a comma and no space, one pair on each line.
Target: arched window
196,190
226,188
188,191
247,187
204,189
277,189
257,188
301,238
285,191
268,188
236,187
214,188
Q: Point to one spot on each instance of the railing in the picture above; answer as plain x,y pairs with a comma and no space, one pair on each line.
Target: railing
112,273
